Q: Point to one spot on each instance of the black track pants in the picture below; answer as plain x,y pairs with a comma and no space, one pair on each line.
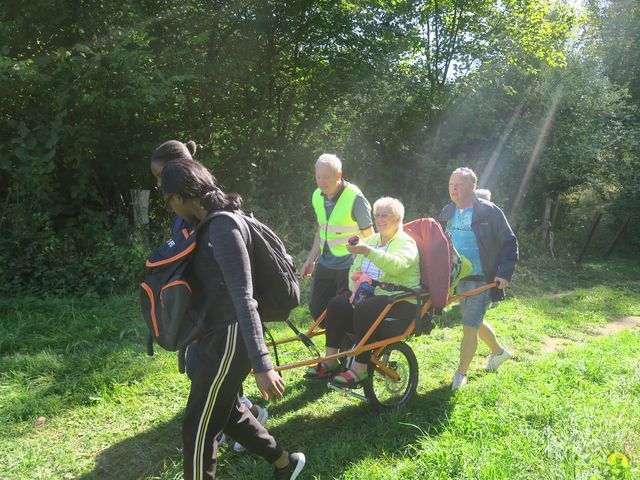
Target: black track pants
214,406
327,283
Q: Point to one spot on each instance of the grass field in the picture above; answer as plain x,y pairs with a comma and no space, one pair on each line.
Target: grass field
79,398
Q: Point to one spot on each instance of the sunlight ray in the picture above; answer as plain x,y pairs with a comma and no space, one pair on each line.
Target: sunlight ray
537,149
497,151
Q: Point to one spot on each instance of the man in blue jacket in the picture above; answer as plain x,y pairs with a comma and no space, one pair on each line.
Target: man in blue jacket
479,231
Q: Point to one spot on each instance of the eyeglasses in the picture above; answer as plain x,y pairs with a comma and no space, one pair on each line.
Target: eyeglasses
383,215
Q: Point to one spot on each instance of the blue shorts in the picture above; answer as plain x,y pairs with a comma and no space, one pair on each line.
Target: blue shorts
473,307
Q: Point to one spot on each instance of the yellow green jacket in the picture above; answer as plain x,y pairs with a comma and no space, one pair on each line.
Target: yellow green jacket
399,262
336,230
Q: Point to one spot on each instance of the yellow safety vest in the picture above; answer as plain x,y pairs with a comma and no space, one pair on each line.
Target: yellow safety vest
340,226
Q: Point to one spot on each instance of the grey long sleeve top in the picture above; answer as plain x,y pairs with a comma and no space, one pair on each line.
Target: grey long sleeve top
223,292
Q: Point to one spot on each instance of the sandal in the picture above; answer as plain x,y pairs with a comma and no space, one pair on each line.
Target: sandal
349,379
322,372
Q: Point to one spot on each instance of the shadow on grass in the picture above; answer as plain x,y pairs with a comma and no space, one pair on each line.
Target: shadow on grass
355,432
331,443
145,455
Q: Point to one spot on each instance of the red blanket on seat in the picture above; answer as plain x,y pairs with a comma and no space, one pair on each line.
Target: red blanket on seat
435,258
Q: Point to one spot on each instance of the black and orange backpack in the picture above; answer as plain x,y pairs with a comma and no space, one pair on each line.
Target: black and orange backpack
165,293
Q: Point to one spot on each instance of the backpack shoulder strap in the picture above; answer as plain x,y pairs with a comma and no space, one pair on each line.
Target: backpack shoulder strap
242,224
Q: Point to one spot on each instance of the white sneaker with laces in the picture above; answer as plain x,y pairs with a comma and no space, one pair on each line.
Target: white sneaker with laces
263,415
496,360
459,380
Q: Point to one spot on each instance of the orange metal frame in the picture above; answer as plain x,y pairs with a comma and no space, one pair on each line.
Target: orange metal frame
363,346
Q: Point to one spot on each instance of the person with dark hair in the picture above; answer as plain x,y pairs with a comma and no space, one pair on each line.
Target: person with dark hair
232,343
479,231
169,151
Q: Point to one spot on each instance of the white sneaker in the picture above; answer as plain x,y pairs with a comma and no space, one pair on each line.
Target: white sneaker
459,380
263,415
291,471
496,360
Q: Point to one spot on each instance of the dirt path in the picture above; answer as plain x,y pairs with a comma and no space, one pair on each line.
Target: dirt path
551,344
612,328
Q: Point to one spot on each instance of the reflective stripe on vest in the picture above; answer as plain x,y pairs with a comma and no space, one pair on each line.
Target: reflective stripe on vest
340,226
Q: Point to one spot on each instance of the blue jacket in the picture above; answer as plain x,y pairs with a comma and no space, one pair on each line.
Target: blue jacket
497,243
178,224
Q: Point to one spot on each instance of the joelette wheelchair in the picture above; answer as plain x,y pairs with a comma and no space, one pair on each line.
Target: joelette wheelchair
393,367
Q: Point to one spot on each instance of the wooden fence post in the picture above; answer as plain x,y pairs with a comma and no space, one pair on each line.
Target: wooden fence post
140,203
589,237
618,235
546,222
556,211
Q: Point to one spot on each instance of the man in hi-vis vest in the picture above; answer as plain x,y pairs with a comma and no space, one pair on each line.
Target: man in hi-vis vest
342,212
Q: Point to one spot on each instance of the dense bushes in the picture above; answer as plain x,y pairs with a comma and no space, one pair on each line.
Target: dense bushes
403,91
38,260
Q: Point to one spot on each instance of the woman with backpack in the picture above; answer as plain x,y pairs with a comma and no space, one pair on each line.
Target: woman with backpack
169,151
232,343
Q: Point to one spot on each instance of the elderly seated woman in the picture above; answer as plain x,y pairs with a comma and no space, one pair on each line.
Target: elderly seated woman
390,256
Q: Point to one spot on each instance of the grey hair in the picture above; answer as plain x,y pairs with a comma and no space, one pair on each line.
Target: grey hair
330,160
483,193
393,204
466,172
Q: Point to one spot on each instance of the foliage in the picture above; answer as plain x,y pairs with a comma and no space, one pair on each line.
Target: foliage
43,262
615,40
403,91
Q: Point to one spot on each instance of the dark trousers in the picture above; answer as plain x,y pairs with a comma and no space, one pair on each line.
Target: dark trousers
191,362
327,283
221,365
342,318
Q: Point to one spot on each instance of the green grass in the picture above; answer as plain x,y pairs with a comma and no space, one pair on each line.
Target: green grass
114,413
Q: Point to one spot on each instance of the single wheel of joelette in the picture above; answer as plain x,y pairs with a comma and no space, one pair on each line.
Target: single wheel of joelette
389,390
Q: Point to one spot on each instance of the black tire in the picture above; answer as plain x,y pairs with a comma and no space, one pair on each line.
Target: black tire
384,393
